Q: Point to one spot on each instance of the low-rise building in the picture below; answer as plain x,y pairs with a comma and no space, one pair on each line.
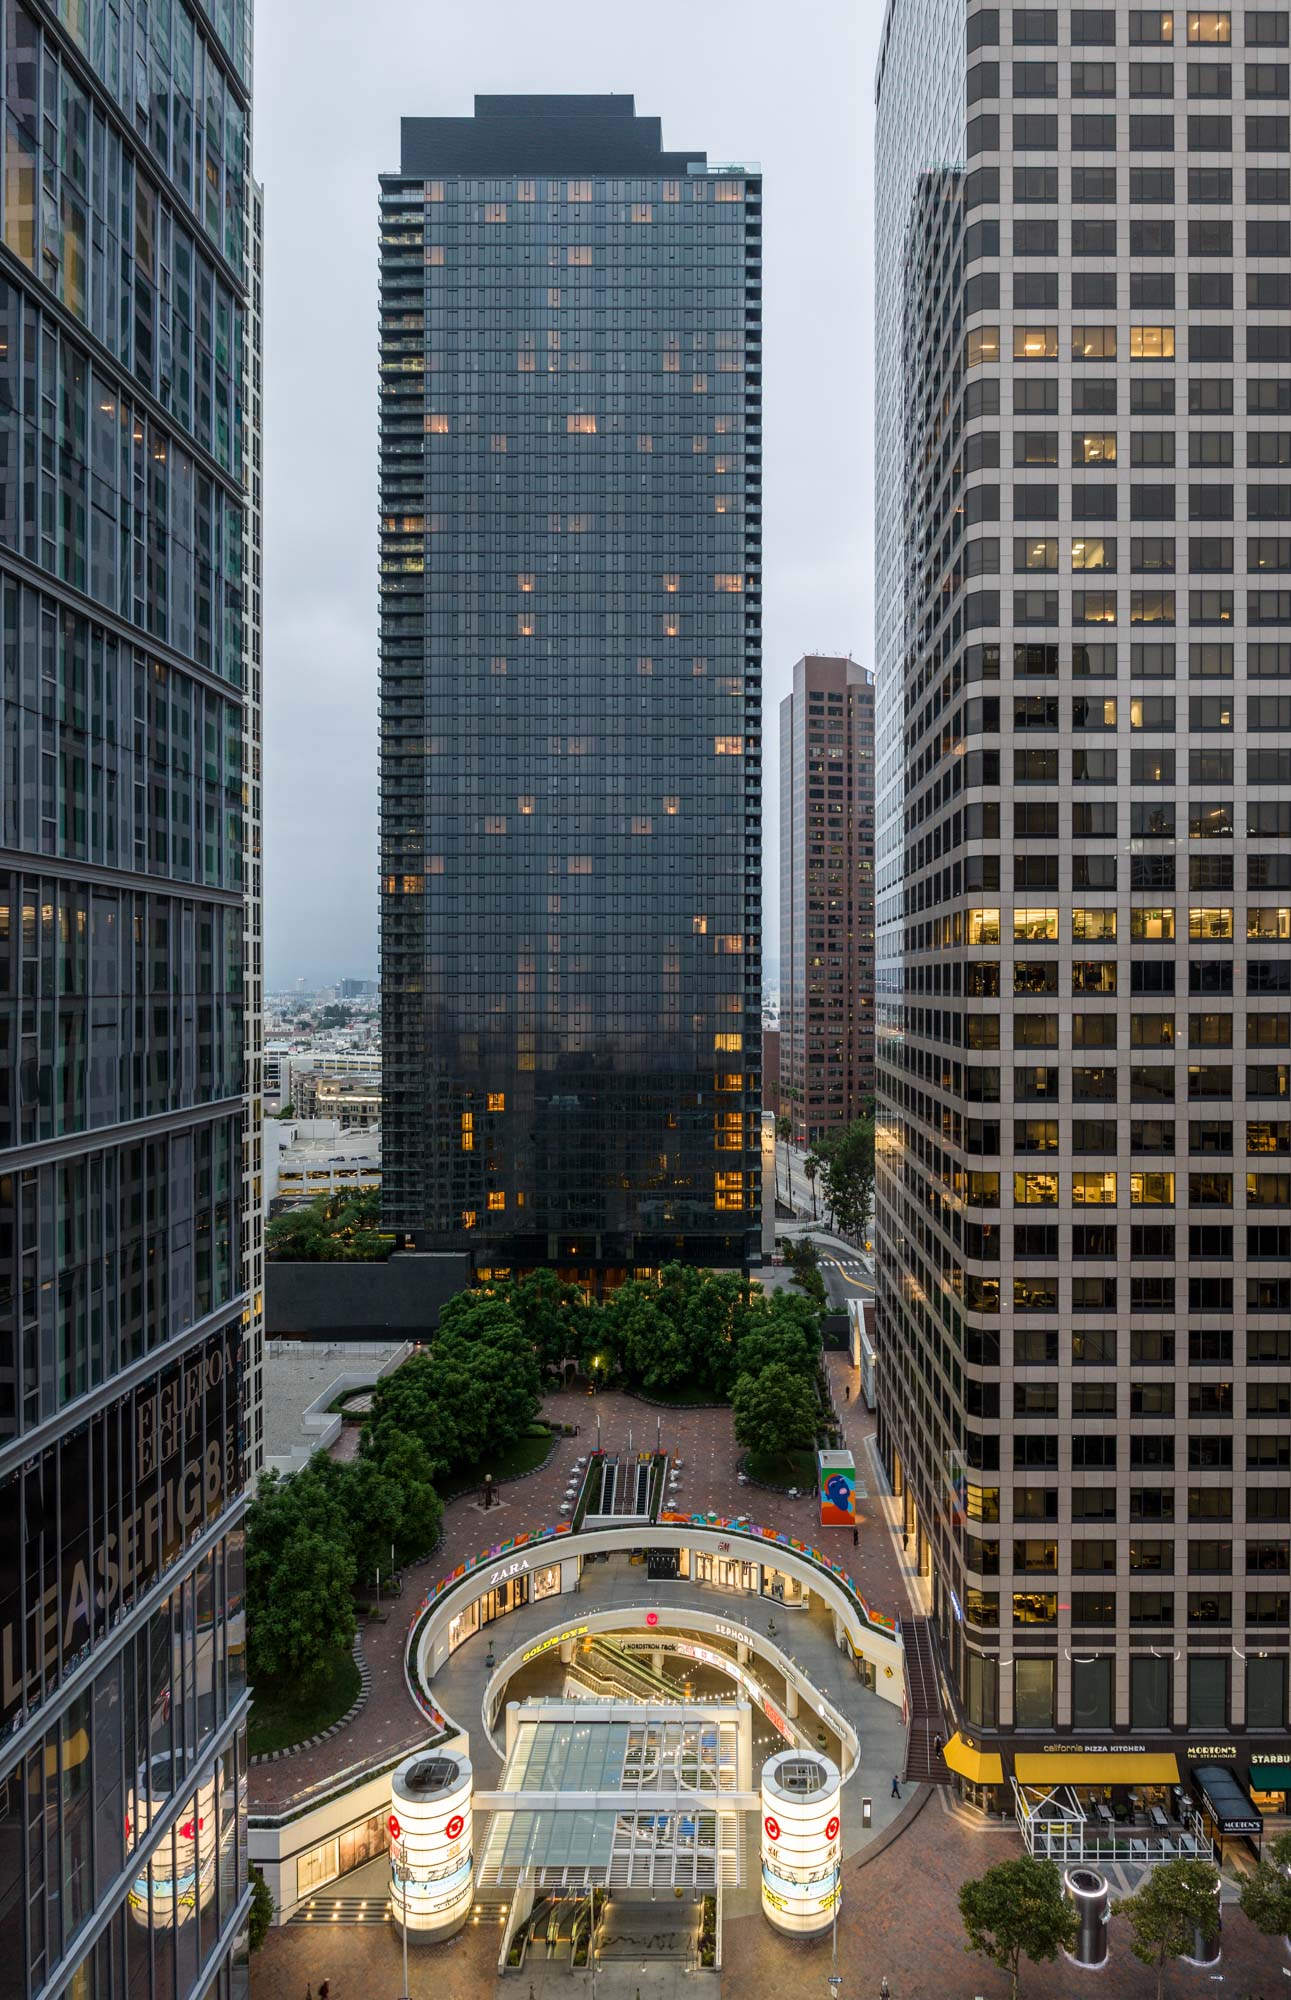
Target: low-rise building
305,1158
354,1102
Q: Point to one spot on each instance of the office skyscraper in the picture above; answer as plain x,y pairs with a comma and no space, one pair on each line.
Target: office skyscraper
826,896
1084,878
570,691
122,1081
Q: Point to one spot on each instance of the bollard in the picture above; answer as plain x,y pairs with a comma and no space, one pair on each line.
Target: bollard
1088,1892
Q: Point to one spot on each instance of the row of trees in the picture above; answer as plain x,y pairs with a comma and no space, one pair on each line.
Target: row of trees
1019,1909
314,1537
336,1229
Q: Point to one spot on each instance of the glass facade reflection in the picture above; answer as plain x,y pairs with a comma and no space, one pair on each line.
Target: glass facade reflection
124,628
570,688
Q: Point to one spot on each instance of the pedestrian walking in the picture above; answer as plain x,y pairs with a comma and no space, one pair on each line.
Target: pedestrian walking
324,1989
856,1538
885,1991
847,1392
309,1989
936,1746
896,1793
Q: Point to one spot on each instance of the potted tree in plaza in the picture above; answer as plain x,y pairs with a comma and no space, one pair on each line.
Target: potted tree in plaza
1176,1902
1266,1892
1017,1910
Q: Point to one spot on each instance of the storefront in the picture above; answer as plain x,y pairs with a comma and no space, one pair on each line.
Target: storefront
978,1775
1268,1778
506,1594
1116,1787
342,1853
1227,1809
722,1572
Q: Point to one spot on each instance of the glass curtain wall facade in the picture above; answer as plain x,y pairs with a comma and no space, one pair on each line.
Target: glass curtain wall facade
122,1048
570,691
1084,1189
826,896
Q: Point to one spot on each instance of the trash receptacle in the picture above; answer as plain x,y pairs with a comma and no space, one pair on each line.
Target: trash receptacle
1089,1895
1208,1953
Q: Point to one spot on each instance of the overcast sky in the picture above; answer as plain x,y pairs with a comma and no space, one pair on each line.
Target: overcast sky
791,87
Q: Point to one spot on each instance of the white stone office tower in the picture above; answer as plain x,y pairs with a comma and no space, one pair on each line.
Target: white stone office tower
1084,871
253,709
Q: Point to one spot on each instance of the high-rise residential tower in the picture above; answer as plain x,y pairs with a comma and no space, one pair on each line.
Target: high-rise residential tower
1084,875
123,274
826,896
571,505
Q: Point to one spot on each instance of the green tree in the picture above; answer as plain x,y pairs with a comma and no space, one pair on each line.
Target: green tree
487,1358
551,1313
1266,1892
409,1403
775,1412
848,1176
1017,1910
261,1913
407,1465
783,1134
299,1577
811,1167
1177,1900
334,1229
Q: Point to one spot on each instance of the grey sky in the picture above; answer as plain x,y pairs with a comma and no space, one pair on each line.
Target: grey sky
743,79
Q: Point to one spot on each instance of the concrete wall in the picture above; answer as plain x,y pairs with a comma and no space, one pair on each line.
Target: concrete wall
361,1301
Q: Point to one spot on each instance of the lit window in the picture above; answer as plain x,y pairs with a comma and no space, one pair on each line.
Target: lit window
672,804
1210,924
1152,926
524,803
1035,343
434,253
728,1191
1151,1190
728,190
524,624
1089,555
496,1100
497,440
730,580
1210,27
1093,1190
729,1080
468,1218
1032,926
642,823
643,211
728,746
671,580
468,1131
497,1200
579,864
579,253
983,926
526,190
1151,343
1037,555
1035,1190
1266,922
699,385
728,1042
672,190
495,211
436,422
1094,926
983,345
580,422
699,925
433,191
578,191
1095,448
495,823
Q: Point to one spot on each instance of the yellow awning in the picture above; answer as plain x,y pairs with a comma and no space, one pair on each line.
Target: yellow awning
982,1767
1088,1767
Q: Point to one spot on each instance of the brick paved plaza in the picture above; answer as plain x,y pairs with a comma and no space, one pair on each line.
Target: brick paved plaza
899,1915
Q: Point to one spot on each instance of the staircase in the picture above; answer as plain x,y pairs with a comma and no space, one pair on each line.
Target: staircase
922,1766
325,1909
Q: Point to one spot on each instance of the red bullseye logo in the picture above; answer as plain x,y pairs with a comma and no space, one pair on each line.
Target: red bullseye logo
773,1828
652,1617
454,1827
831,1828
394,1826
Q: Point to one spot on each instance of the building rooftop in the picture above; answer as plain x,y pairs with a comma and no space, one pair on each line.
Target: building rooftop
507,135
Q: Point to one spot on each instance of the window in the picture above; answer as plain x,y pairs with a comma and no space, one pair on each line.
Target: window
1092,343
1210,27
1035,343
1151,343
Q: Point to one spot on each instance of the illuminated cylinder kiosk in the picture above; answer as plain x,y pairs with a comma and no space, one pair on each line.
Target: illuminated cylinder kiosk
801,1842
431,1862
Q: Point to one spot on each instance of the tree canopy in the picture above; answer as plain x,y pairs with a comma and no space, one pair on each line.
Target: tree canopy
1266,1891
1178,1900
334,1229
775,1411
1017,1910
847,1175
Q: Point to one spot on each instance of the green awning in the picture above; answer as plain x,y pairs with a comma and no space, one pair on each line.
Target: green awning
1269,1777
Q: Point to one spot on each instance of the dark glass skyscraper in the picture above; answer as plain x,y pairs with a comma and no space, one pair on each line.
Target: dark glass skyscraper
122,1696
570,687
